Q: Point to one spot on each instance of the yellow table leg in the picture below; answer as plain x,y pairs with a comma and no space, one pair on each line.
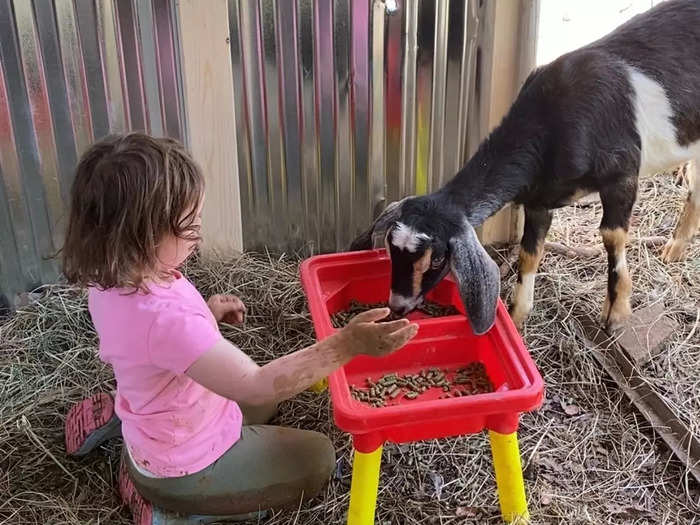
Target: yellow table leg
509,476
319,386
363,489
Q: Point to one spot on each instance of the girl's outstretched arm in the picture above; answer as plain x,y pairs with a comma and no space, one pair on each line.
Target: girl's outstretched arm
229,372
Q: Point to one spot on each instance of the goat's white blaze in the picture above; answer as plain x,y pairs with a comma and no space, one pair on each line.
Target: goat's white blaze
401,303
524,294
653,114
621,260
406,238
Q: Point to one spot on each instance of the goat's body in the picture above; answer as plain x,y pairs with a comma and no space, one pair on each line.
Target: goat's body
594,120
660,147
646,139
627,105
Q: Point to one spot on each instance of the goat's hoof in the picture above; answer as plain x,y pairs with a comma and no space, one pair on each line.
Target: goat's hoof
615,318
674,251
519,317
613,327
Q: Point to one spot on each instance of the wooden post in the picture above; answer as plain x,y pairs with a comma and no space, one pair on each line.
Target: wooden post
211,118
529,20
507,40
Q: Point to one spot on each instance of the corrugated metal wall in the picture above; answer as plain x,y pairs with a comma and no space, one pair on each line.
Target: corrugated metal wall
343,104
72,71
341,107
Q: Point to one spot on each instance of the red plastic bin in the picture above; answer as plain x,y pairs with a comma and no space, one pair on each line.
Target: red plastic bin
332,281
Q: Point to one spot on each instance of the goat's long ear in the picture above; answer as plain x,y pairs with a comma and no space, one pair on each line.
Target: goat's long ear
478,279
365,241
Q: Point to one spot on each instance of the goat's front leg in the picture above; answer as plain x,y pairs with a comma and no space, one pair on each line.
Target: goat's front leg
537,223
617,207
688,220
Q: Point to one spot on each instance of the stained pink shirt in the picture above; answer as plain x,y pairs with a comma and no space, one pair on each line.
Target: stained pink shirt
172,425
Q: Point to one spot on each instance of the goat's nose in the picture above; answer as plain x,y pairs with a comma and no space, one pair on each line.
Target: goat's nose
400,311
399,304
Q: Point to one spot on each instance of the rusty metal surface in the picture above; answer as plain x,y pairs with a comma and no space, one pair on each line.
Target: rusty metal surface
345,105
341,107
72,71
622,369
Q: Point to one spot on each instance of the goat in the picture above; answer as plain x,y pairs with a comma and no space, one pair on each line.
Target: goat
594,120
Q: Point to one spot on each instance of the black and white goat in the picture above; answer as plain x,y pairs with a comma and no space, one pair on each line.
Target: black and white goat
594,120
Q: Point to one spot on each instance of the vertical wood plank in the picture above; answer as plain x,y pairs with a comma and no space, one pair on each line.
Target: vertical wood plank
211,118
529,17
508,52
502,89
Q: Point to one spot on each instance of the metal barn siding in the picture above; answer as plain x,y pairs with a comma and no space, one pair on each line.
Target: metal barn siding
72,71
343,106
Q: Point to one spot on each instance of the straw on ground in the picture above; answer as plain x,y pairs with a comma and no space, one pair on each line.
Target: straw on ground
588,456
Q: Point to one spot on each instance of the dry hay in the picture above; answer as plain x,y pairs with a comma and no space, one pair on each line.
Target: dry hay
612,462
588,456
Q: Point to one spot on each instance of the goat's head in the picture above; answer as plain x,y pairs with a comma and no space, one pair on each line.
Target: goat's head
426,239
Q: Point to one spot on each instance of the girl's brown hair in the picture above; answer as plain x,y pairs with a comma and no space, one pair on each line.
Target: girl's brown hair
129,193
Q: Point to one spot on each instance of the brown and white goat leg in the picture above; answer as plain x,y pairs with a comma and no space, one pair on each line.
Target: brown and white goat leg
617,201
537,223
687,221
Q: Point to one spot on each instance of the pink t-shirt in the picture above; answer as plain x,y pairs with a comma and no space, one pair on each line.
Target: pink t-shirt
172,425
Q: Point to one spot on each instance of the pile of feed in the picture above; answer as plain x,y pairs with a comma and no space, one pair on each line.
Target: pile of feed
429,308
390,389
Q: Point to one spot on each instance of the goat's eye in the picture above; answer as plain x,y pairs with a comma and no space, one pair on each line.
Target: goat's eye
436,262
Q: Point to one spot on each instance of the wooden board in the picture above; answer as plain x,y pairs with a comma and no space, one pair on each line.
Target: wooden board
624,372
645,332
211,118
507,39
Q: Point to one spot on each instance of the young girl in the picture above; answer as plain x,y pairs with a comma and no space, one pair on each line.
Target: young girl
191,405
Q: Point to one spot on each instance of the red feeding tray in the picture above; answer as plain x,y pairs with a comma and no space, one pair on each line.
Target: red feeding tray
332,281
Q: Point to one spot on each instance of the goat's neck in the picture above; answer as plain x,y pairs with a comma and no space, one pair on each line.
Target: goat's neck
502,167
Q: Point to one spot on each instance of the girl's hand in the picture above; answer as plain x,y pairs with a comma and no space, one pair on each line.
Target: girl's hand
363,335
229,372
227,308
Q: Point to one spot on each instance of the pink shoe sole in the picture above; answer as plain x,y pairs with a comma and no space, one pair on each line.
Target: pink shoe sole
89,423
141,510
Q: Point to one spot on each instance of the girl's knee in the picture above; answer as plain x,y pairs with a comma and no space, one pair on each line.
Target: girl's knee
318,453
320,459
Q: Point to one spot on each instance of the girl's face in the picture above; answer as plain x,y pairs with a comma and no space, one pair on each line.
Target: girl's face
173,251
